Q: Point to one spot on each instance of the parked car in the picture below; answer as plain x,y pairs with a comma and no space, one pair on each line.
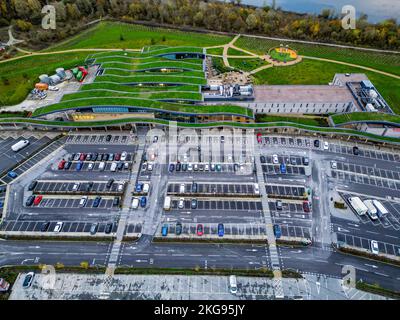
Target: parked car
90,166
109,183
58,226
305,161
100,157
207,167
95,156
32,185
135,203
333,164
277,231
194,187
279,205
195,167
181,203
221,230
88,157
28,280
356,151
93,228
82,156
139,187
83,201
77,156
124,155
108,138
218,168
146,188
79,166
96,202
106,157
189,167
212,167
111,157
113,167
316,143
102,166
109,227
76,186
12,174
293,161
143,202
178,228
199,229
256,189
150,167
326,145
184,166
193,204
306,206
182,188
171,167
117,157
120,187
178,167
283,168
116,201
45,226
61,164
164,230
374,247
120,166
68,165
30,200
275,159
37,200
262,159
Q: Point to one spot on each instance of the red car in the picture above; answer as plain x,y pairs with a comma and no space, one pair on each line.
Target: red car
117,157
37,200
199,230
82,157
61,164
306,206
259,137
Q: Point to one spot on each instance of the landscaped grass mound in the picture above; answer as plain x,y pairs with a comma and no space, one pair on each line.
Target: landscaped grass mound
282,54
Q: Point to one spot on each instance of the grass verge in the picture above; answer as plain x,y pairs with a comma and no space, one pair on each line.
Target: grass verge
369,256
376,289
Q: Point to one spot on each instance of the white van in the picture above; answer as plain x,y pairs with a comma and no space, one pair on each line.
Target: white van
113,167
102,165
256,189
167,203
146,188
182,188
381,209
232,284
372,212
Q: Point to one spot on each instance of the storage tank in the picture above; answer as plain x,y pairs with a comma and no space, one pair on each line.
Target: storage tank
41,86
19,145
61,73
55,79
231,91
44,78
373,94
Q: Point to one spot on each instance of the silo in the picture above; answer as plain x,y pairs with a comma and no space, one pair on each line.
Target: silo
44,78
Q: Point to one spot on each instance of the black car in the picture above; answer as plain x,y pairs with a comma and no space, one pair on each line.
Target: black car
116,201
29,201
108,228
194,187
95,156
108,138
67,165
109,183
235,167
100,157
262,159
178,229
96,202
89,186
356,152
178,167
184,167
45,227
105,157
316,143
32,185
305,161
120,165
3,189
71,157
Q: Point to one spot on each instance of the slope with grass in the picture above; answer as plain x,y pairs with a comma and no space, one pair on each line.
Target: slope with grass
124,35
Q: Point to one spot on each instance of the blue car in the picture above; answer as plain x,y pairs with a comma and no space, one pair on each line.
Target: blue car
221,230
171,167
277,231
79,166
1,205
96,202
12,174
283,168
139,187
164,230
143,202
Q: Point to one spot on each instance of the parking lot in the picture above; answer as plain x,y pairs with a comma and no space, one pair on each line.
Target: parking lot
100,138
367,175
35,226
69,203
232,205
214,189
82,187
286,191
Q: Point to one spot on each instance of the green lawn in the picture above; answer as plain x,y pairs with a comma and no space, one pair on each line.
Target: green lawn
18,78
127,73
216,51
382,61
307,120
108,35
284,57
359,116
126,88
153,65
246,64
320,72
235,52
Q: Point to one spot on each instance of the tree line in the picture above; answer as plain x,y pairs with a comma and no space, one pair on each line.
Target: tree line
213,15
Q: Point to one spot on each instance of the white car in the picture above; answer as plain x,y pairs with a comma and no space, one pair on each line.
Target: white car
275,159
76,186
53,88
90,166
120,187
124,154
102,165
83,201
326,145
334,165
256,189
190,167
206,167
374,247
146,188
229,158
150,167
181,203
58,226
135,203
182,188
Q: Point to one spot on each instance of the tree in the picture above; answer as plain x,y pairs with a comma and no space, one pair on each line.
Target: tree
252,22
